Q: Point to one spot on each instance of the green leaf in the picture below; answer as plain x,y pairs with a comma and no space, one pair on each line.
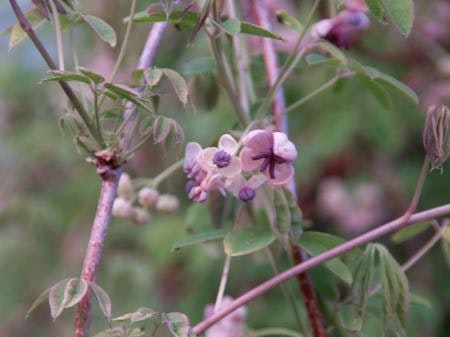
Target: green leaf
376,89
103,30
409,232
66,76
178,132
377,9
415,299
401,13
199,65
35,18
296,213
74,292
392,84
282,212
247,240
289,20
178,324
126,93
251,29
153,76
96,78
161,129
319,59
231,26
56,298
178,84
315,243
103,299
199,238
41,299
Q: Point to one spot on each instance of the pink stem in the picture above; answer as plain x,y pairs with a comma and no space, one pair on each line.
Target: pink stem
319,259
95,246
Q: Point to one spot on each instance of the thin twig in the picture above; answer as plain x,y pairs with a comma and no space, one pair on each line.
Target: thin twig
95,246
26,26
374,234
58,31
223,282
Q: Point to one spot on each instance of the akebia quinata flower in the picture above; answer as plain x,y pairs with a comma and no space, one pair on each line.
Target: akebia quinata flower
270,153
245,189
344,27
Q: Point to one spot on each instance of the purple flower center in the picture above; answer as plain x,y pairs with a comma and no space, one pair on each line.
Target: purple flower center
247,194
221,159
270,160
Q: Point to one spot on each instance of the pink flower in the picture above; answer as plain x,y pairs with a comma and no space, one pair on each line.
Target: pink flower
232,325
222,159
190,165
271,153
245,189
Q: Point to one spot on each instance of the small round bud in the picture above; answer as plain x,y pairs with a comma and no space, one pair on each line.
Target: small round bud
436,135
247,194
125,188
148,196
122,209
140,216
167,203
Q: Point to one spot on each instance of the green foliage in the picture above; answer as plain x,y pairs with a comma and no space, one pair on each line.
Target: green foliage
200,238
35,18
102,298
409,232
247,240
103,29
401,12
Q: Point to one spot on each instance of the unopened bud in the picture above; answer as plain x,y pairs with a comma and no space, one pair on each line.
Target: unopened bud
148,196
436,135
140,216
122,209
167,203
247,194
125,188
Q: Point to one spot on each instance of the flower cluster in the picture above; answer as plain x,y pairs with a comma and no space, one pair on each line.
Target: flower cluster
262,157
342,28
146,198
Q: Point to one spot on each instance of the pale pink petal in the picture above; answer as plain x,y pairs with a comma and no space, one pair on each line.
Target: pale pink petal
283,173
192,150
212,182
256,181
248,164
235,184
283,147
259,140
228,144
233,169
205,158
321,28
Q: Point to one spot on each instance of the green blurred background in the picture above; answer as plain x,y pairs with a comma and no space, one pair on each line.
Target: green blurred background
349,145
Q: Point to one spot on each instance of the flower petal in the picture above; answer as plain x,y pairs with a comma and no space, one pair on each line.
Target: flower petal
283,173
205,158
321,28
235,184
233,169
192,150
228,144
256,181
249,164
259,140
283,147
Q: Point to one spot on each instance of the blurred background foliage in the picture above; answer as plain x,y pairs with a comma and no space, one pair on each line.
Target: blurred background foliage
354,154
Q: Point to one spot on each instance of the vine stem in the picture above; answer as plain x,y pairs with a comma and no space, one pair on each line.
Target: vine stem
94,249
223,282
26,26
279,119
374,234
58,31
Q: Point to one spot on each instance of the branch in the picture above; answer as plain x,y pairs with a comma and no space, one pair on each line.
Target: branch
319,259
95,246
26,26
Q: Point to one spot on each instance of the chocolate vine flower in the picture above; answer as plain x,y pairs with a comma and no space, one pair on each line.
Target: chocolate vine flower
436,135
222,159
271,153
245,189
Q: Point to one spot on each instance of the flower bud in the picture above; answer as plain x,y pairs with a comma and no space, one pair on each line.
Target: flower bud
122,209
247,194
125,188
148,196
140,216
436,135
167,203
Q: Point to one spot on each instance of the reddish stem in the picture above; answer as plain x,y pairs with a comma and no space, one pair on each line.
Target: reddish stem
95,246
319,259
